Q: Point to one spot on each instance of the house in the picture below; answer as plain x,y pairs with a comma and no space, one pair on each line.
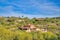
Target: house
28,27
31,27
25,27
28,30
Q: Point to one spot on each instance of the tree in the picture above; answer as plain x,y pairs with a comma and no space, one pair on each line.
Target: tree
50,36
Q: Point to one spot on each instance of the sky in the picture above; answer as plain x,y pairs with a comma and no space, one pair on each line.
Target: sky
30,8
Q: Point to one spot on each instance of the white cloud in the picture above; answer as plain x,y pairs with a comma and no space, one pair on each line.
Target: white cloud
44,9
46,6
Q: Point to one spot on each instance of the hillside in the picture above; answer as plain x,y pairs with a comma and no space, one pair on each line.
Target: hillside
23,28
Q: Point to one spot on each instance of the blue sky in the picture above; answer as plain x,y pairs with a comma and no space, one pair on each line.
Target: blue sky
30,8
